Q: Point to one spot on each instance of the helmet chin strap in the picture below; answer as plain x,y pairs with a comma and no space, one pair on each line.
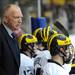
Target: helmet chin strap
30,50
62,54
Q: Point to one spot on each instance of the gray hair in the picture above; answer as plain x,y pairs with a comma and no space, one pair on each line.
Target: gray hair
6,8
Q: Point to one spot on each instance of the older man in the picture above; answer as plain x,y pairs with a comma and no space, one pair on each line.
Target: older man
9,50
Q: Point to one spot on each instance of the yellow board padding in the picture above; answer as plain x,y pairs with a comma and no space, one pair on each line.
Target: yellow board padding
72,65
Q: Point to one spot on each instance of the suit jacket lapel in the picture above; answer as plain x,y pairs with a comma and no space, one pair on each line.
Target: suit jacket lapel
15,53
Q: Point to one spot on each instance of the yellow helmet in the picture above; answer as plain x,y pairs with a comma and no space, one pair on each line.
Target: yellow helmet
61,44
61,40
43,34
26,39
46,33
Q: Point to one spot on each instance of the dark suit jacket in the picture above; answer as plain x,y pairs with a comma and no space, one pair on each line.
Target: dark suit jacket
9,54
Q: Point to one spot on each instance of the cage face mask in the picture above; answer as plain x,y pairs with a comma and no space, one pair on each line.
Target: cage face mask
69,52
31,47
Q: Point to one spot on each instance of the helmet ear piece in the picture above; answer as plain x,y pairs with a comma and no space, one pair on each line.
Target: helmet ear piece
54,50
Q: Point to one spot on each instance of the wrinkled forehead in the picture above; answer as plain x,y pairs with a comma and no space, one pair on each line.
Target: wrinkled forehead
13,10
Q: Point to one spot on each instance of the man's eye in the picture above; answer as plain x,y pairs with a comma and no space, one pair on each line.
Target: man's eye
16,17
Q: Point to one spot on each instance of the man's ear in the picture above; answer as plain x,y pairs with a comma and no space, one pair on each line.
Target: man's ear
62,49
5,19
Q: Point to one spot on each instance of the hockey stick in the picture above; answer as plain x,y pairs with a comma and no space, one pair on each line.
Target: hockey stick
61,28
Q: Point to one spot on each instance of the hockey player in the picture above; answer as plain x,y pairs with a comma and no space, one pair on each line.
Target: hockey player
61,50
41,59
26,42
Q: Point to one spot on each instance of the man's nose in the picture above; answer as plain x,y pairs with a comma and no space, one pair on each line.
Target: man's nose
20,20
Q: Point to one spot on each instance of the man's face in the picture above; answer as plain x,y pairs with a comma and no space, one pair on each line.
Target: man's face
14,18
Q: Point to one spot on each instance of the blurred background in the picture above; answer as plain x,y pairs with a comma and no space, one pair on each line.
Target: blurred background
51,9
